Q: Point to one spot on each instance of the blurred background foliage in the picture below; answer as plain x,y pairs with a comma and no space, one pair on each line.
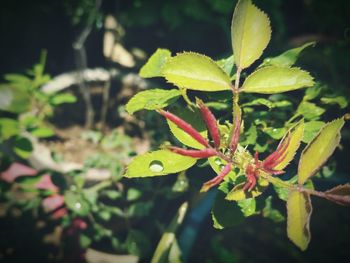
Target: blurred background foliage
203,26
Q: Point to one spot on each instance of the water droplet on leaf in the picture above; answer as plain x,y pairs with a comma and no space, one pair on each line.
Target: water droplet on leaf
156,166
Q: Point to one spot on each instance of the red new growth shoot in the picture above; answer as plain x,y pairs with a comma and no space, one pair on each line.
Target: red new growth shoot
206,153
251,178
277,156
218,179
211,123
235,134
185,126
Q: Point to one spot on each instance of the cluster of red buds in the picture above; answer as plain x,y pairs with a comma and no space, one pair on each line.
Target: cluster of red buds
213,149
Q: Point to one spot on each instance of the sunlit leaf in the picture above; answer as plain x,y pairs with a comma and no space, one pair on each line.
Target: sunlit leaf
197,72
299,210
192,117
269,80
250,33
319,150
287,58
237,192
295,137
152,99
154,65
275,133
158,163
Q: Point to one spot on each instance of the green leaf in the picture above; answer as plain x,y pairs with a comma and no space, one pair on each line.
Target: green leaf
247,206
313,92
225,213
311,129
112,194
42,132
8,128
63,98
309,110
195,119
227,64
340,100
76,203
287,58
319,150
269,80
271,213
237,193
22,147
152,99
258,102
250,33
299,210
14,99
84,241
295,135
158,163
154,65
133,194
197,72
275,133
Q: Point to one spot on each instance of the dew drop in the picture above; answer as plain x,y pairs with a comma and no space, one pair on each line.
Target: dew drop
156,166
77,205
217,161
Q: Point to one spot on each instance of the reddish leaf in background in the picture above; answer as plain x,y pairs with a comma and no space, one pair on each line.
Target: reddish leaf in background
17,170
46,183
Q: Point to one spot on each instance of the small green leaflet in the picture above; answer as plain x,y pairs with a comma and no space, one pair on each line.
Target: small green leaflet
250,33
311,129
340,100
14,99
197,72
63,98
154,65
158,163
309,110
319,150
152,99
299,210
192,117
287,58
227,64
8,128
269,80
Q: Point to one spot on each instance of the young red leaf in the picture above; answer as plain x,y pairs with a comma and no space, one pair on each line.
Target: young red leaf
211,123
235,133
218,179
185,126
206,153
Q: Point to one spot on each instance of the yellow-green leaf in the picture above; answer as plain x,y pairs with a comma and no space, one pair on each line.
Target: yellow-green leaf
271,79
194,118
195,71
217,164
152,99
154,65
295,135
158,163
250,33
237,193
319,150
299,210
